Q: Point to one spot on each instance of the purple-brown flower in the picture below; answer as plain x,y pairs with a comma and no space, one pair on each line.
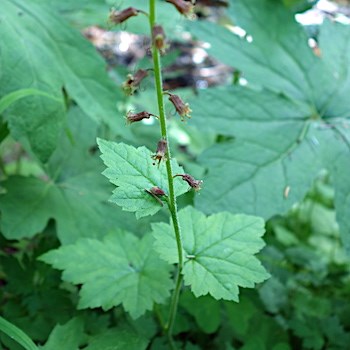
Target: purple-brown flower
159,38
118,17
182,108
136,117
161,151
184,7
195,184
156,192
132,82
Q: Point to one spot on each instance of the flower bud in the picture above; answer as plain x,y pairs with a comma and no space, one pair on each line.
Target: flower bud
118,17
159,38
161,151
184,7
181,107
136,117
156,192
195,184
133,81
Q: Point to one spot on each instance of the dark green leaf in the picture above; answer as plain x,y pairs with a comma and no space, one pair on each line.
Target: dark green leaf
68,336
118,339
15,333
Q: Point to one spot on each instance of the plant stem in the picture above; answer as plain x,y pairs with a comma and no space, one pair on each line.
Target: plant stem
172,199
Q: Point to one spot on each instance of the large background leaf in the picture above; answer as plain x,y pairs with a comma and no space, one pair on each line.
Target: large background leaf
66,60
71,191
285,121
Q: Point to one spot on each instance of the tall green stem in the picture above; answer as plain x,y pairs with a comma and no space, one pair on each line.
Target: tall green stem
172,199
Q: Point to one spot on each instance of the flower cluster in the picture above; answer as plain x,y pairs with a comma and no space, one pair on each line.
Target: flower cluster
132,84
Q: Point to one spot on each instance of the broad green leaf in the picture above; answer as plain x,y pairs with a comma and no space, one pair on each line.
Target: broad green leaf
72,192
219,251
68,336
133,171
287,123
118,339
16,334
121,269
50,55
205,310
7,100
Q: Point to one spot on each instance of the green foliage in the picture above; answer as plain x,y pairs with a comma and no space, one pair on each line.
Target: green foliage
77,272
133,171
289,122
219,251
118,270
16,334
58,65
68,336
70,190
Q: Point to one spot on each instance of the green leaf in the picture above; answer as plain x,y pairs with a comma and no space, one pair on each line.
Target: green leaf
205,310
286,123
15,333
132,171
121,269
118,339
72,192
219,251
49,56
7,100
340,172
68,336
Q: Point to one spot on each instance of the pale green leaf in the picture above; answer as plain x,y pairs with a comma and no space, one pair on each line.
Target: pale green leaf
16,334
133,171
286,123
121,269
219,251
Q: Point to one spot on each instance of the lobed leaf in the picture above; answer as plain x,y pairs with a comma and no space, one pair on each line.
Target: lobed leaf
287,123
219,251
41,51
71,191
121,269
133,171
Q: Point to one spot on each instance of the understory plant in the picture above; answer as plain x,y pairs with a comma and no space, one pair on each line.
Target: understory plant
165,248
212,254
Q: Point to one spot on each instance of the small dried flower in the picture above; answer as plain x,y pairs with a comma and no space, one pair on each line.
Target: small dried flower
136,117
156,192
118,17
132,82
159,38
161,151
184,7
195,184
181,107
